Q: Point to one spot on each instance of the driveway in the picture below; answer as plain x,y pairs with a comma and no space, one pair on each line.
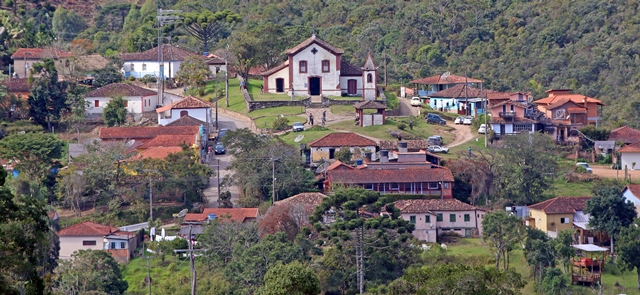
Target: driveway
406,109
462,133
607,172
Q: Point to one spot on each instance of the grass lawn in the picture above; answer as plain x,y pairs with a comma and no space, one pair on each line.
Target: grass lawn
454,152
267,122
570,189
236,100
253,87
309,135
422,130
136,271
343,110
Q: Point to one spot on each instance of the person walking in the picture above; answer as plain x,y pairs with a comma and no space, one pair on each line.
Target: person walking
311,119
324,115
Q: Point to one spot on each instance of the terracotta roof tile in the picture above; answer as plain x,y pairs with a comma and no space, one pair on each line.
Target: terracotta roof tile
275,69
120,89
461,91
389,175
337,164
87,228
186,121
510,102
169,140
347,69
17,85
312,199
369,104
157,152
555,95
225,214
634,189
625,134
169,52
451,79
143,132
189,102
561,205
422,206
411,144
314,39
215,61
631,148
40,53
340,139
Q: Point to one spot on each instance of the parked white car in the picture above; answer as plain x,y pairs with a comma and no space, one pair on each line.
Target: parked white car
416,102
458,120
438,149
585,166
467,120
482,129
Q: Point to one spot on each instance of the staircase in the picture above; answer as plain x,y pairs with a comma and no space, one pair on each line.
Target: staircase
316,101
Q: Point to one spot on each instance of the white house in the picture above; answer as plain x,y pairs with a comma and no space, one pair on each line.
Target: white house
137,99
630,156
216,64
315,67
92,236
188,106
140,64
632,194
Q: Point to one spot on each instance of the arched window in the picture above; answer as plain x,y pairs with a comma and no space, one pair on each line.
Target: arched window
369,78
144,67
183,113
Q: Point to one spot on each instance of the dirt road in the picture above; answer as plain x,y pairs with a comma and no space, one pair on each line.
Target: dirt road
606,171
462,133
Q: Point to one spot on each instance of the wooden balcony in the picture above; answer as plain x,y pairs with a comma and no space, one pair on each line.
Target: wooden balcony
507,115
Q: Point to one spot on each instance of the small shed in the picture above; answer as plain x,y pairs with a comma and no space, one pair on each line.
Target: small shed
605,147
588,265
368,119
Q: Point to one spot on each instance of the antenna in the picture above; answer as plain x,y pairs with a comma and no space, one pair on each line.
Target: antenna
182,213
299,138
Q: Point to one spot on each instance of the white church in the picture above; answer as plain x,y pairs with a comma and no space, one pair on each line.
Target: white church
315,67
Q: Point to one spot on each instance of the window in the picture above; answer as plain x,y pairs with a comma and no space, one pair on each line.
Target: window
144,67
394,186
368,186
184,113
521,127
412,219
113,245
88,243
446,185
303,66
439,217
467,218
433,185
132,67
96,103
122,245
427,218
369,78
564,220
217,70
452,217
326,66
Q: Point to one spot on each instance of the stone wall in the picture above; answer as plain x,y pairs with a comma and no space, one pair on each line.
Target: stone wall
256,105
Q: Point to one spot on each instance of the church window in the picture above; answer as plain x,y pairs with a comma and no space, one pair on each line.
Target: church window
369,78
303,66
326,66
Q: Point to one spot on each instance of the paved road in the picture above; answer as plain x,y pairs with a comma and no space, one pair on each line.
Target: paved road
406,109
211,193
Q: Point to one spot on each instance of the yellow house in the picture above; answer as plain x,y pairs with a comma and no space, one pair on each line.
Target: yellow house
555,215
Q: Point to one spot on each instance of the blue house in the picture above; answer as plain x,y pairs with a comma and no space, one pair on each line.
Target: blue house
460,99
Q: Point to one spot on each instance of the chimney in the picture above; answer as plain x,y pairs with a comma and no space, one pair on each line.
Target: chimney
384,156
402,146
367,157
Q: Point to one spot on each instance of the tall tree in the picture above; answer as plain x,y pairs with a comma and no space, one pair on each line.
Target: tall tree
246,49
502,231
290,279
528,167
194,72
115,113
538,252
629,247
67,24
47,100
209,27
109,74
77,106
610,212
32,153
91,271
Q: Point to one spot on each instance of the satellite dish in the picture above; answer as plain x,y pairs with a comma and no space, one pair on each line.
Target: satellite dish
445,75
183,213
129,143
163,233
299,138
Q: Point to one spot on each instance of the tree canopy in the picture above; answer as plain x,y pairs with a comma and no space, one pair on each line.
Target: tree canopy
115,113
90,270
290,279
208,27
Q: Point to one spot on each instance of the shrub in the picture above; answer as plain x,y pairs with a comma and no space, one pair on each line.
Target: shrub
131,78
281,123
402,126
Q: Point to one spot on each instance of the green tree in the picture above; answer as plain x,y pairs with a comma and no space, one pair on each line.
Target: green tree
208,27
528,167
554,282
592,133
502,231
290,279
247,49
33,153
110,73
115,113
563,249
193,73
77,106
91,271
538,252
67,24
344,155
47,100
610,212
629,248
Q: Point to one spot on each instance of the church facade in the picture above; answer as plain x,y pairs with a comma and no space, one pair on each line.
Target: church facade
315,67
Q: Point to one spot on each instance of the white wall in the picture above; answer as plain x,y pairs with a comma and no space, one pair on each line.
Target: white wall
318,153
344,84
329,81
202,114
135,104
634,199
369,88
152,68
221,68
424,231
284,74
627,159
68,245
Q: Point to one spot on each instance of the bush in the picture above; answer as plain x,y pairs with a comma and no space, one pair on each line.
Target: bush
148,78
402,126
131,78
281,123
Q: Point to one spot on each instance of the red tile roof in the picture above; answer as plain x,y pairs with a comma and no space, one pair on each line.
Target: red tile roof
451,79
276,68
87,228
634,189
337,164
17,85
157,152
555,95
341,139
631,148
186,121
40,53
314,39
347,69
120,89
417,144
305,199
225,214
142,132
625,134
169,52
189,102
369,104
461,91
169,140
389,175
561,205
422,206
515,103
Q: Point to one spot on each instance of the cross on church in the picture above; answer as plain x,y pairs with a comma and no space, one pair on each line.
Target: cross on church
314,50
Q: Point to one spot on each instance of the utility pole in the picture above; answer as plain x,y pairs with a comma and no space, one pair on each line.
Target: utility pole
273,176
466,94
486,127
164,17
226,79
217,97
191,260
150,198
385,69
148,273
218,181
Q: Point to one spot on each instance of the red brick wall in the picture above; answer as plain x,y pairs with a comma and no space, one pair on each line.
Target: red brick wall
120,255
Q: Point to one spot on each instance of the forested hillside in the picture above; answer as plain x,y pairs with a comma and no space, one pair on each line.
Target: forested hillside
590,46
